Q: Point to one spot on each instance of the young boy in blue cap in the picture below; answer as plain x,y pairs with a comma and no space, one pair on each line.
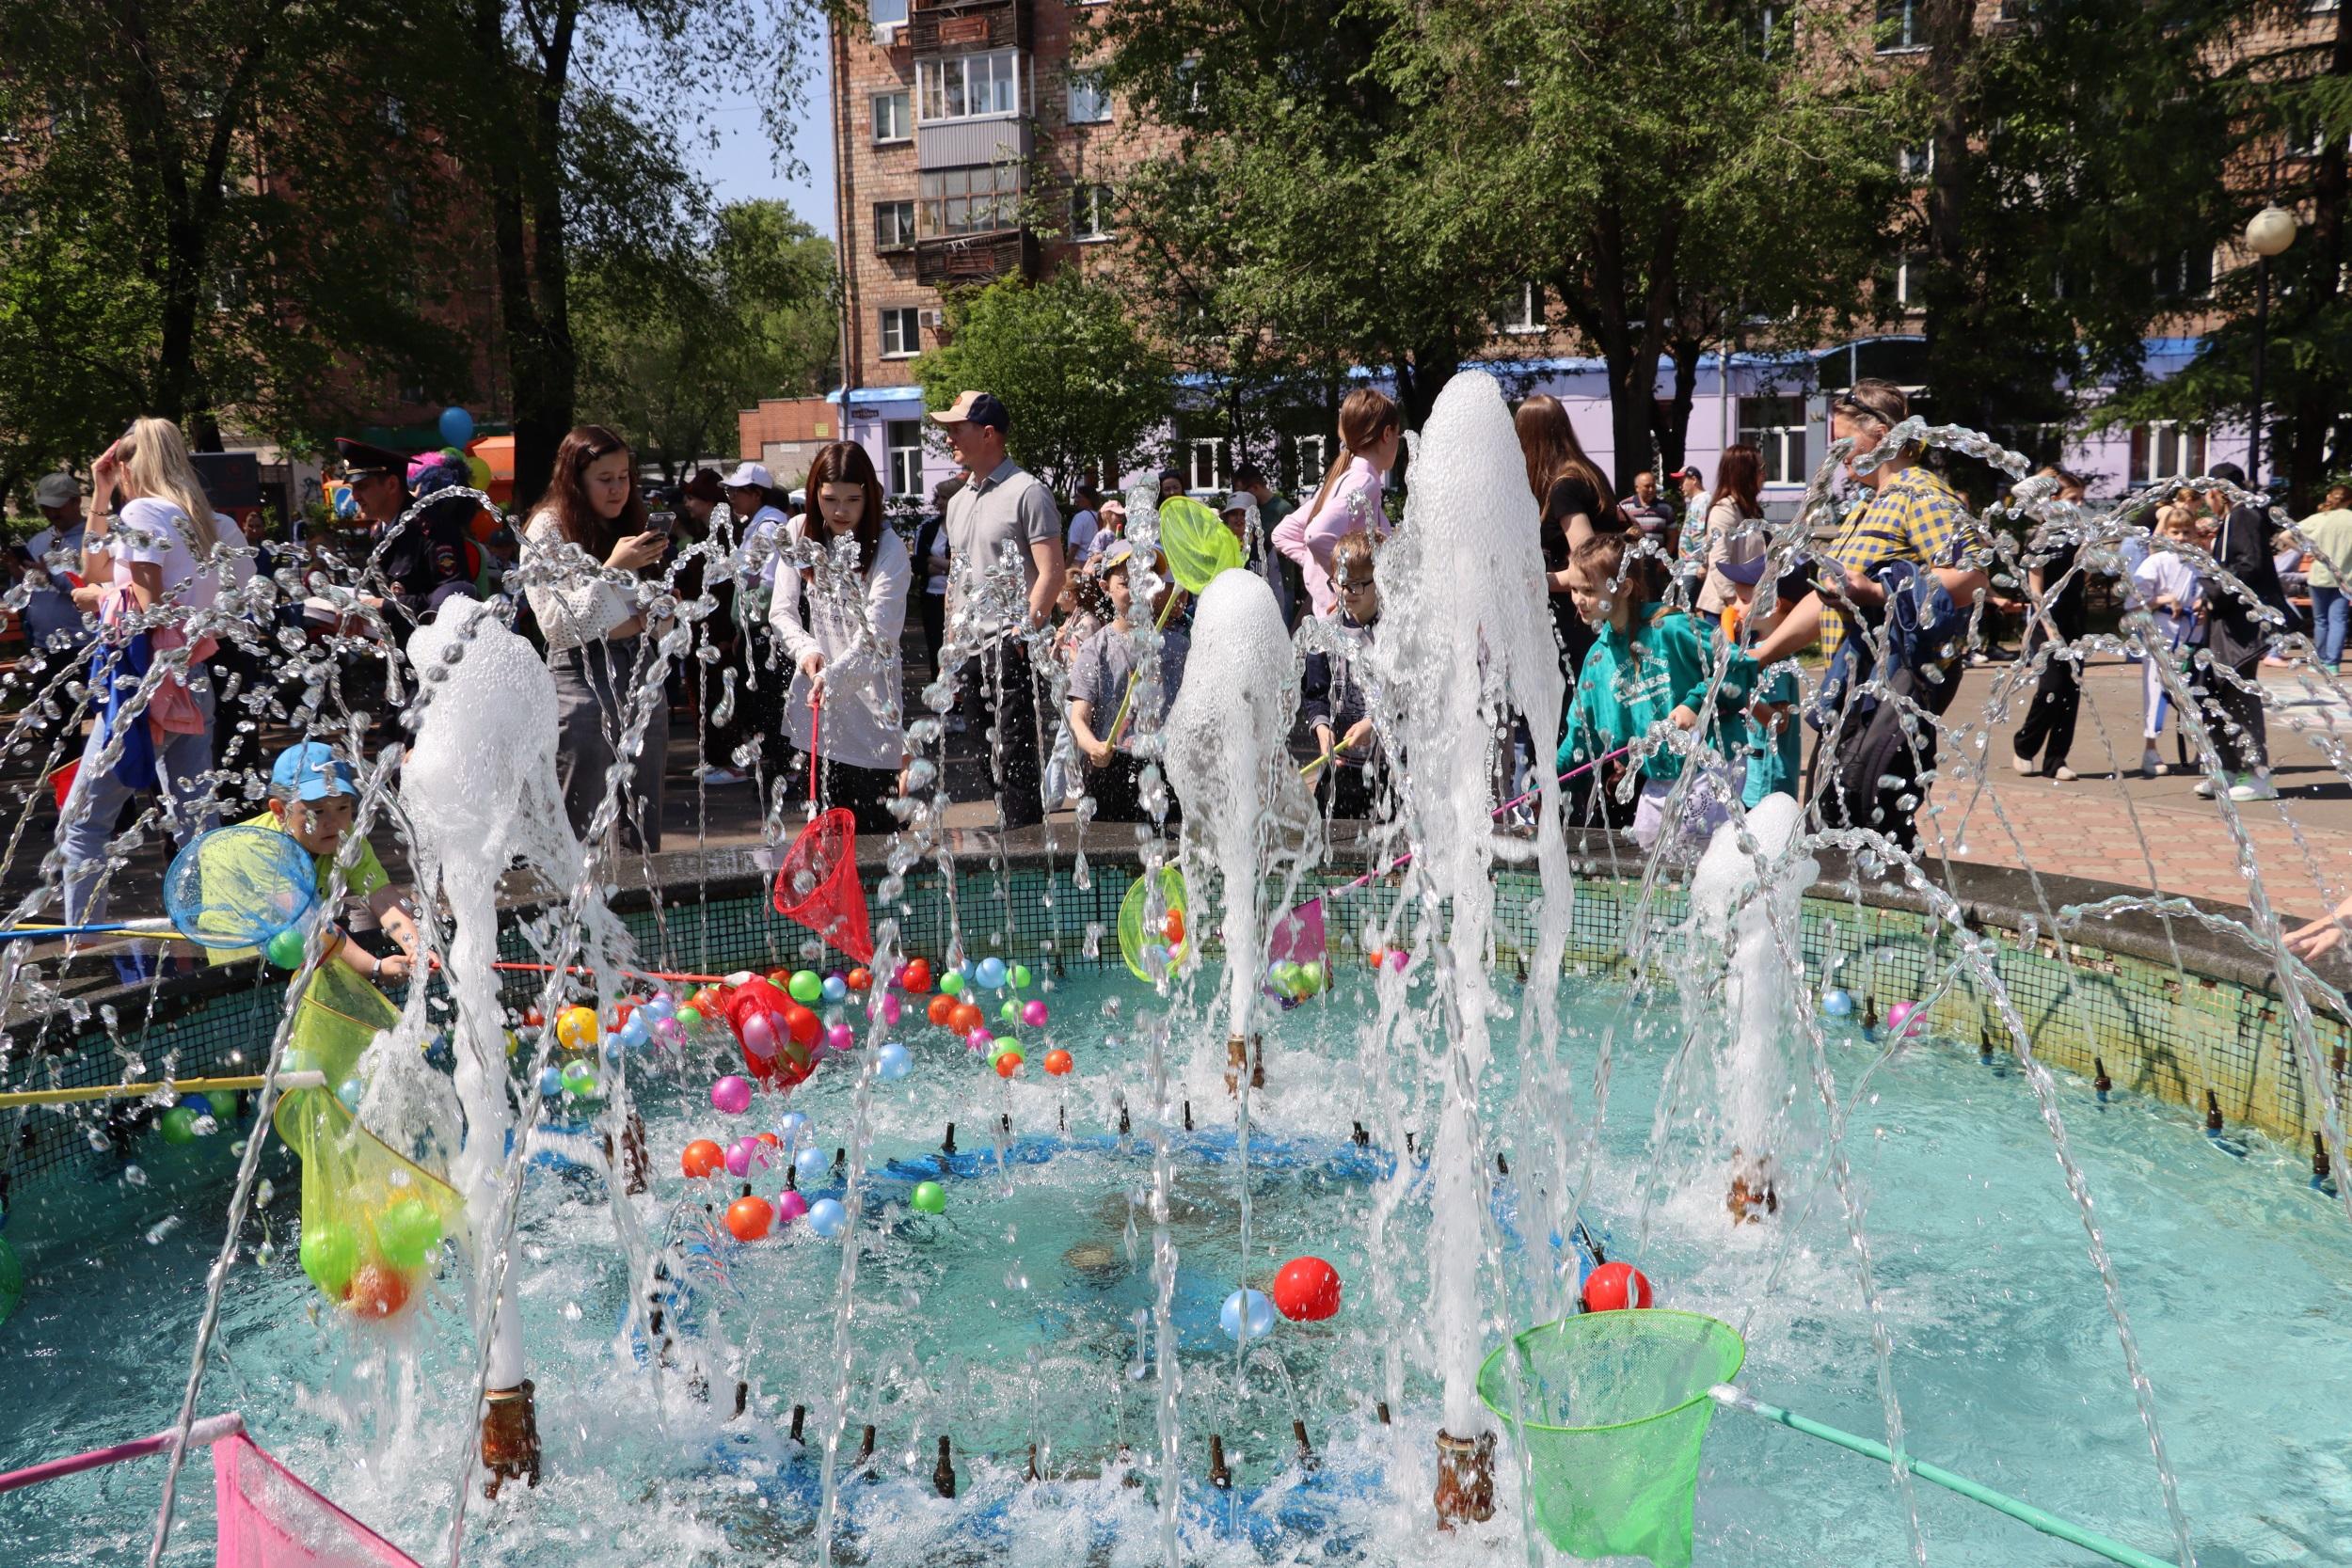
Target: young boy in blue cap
313,799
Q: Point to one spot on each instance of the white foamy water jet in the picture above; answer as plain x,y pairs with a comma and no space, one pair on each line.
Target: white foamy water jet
1466,643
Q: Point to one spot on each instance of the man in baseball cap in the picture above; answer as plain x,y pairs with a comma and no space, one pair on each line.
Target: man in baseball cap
980,408
52,620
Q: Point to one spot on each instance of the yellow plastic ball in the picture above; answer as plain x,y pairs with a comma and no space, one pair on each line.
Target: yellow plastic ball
575,1027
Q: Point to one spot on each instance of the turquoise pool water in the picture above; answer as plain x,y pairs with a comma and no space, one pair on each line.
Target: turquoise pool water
1012,1320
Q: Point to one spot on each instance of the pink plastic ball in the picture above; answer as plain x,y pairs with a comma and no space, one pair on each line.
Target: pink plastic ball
740,1154
840,1036
790,1206
977,1039
668,1031
1033,1013
1397,960
890,1009
1902,1014
731,1095
760,1038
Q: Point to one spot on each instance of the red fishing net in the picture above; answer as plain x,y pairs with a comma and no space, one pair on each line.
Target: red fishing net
817,885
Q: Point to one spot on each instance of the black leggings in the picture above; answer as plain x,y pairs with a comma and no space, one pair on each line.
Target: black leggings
866,793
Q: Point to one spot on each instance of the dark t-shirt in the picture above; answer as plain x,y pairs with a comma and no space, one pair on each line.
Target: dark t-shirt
1570,495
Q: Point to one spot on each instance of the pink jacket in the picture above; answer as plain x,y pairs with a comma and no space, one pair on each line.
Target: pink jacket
171,709
1353,503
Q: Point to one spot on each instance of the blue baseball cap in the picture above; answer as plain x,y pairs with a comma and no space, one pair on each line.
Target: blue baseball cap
312,771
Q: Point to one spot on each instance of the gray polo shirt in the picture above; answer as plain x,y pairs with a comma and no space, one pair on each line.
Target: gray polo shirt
1010,506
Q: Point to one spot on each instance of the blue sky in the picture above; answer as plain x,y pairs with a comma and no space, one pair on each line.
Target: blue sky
742,166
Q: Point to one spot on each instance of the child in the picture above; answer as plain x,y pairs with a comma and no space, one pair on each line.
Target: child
313,798
1101,678
1648,666
1332,697
1772,741
2167,584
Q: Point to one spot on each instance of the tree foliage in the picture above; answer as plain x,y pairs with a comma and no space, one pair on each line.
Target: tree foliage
1084,389
670,354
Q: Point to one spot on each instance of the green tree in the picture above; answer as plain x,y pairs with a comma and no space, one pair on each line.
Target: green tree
1084,389
669,354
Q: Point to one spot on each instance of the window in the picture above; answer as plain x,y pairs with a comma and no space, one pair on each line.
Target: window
1915,163
1206,469
1900,280
1308,459
904,438
901,332
2166,449
1775,428
886,13
1899,26
1521,312
1089,104
1773,27
894,119
968,86
1090,212
894,224
980,199
1188,85
2186,275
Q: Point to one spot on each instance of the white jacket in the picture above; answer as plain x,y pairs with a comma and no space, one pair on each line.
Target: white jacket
864,723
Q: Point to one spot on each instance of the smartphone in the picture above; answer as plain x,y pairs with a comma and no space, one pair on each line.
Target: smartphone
662,522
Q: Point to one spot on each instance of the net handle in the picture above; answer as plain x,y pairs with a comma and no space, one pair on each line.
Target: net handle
815,724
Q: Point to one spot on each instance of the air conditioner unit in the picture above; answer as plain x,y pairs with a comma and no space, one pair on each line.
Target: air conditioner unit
932,319
886,34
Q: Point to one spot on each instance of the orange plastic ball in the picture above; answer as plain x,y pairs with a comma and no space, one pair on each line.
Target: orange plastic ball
533,1018
1375,957
749,1217
376,1290
1008,1064
861,979
701,1157
916,976
941,1011
780,979
1173,926
965,1018
1057,1062
770,1140
804,1025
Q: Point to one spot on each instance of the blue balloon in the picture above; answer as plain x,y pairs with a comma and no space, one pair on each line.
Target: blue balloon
1253,1302
990,973
1837,1003
551,1082
811,1164
894,1061
793,1129
836,988
456,426
826,1218
349,1091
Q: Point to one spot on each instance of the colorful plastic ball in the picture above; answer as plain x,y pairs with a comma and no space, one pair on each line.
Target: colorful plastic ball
1010,1011
965,1018
330,1256
990,973
1020,976
1057,1062
744,1153
760,1038
978,1039
928,1197
790,1206
731,1095
806,987
1315,976
672,1031
1906,1017
860,978
806,1028
407,1232
636,1033
179,1125
827,1217
199,1103
749,1217
702,1158
533,1018
1837,1003
1307,1291
794,1126
894,1061
350,1091
551,1082
688,1019
575,1027
941,1011
1246,1313
890,1009
580,1078
1173,926
951,984
376,1290
1607,1288
285,949
915,977
810,1165
768,1140
840,1036
1008,1064
1033,1013
835,988
660,1004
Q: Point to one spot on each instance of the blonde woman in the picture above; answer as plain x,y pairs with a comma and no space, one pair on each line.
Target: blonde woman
151,541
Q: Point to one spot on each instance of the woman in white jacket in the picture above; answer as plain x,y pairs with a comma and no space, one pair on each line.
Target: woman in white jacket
839,606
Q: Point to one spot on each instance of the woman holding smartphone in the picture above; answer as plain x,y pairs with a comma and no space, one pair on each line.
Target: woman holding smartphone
592,521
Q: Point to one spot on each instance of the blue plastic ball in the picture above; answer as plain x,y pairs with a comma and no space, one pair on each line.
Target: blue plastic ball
456,426
634,1034
810,1165
894,1061
793,1129
1835,1003
827,1218
197,1103
990,973
551,1082
1258,1309
836,988
660,1004
613,1053
966,968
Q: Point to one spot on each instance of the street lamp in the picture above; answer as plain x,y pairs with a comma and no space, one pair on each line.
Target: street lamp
2267,235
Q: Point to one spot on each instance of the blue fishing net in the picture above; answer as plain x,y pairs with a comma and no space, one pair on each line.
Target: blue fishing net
240,886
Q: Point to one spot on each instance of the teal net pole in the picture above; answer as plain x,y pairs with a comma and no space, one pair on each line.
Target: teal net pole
2048,1523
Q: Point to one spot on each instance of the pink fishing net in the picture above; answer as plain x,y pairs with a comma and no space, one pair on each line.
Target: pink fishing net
270,1519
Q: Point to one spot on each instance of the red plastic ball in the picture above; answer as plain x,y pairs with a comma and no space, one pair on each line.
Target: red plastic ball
1375,957
376,1290
701,1157
965,1018
534,1019
1008,1064
1606,1287
1057,1062
805,1026
768,1140
781,979
861,979
941,1011
749,1217
1172,928
916,976
1307,1291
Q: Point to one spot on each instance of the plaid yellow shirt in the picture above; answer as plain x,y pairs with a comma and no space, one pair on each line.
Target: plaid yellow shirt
1916,517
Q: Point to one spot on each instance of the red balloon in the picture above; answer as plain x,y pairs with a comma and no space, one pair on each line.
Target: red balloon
749,1217
1307,1291
376,1290
1057,1061
701,1157
1606,1287
940,1010
916,976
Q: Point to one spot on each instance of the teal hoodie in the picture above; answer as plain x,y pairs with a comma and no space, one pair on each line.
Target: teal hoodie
1635,680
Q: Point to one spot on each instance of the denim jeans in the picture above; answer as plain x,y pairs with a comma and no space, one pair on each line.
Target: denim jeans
97,800
2331,615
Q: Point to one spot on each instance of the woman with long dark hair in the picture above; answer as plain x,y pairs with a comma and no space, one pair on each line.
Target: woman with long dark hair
1576,501
840,621
592,521
1371,430
1739,501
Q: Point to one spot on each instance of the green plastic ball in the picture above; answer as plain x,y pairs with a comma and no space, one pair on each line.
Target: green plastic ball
407,1232
330,1256
690,1018
806,988
1312,973
951,983
179,1125
580,1079
285,949
1009,1012
928,1197
1020,976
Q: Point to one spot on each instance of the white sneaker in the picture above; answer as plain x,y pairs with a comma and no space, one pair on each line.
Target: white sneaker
2065,774
719,777
2204,786
2254,787
2152,765
2023,765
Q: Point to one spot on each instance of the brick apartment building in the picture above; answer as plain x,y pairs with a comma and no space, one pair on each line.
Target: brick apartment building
952,118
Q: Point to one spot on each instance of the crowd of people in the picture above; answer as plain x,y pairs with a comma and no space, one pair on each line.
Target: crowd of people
1681,618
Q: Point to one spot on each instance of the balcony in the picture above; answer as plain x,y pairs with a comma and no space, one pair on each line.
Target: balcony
937,27
962,143
960,259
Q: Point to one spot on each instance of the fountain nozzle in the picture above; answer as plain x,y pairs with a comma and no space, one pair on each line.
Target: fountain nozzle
510,1436
1466,1479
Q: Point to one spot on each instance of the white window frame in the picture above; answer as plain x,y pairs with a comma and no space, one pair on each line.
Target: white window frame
1906,40
1091,216
908,320
2166,449
1528,319
903,212
902,456
1001,70
901,119
1781,445
1310,455
1914,163
1089,104
1218,451
1900,274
